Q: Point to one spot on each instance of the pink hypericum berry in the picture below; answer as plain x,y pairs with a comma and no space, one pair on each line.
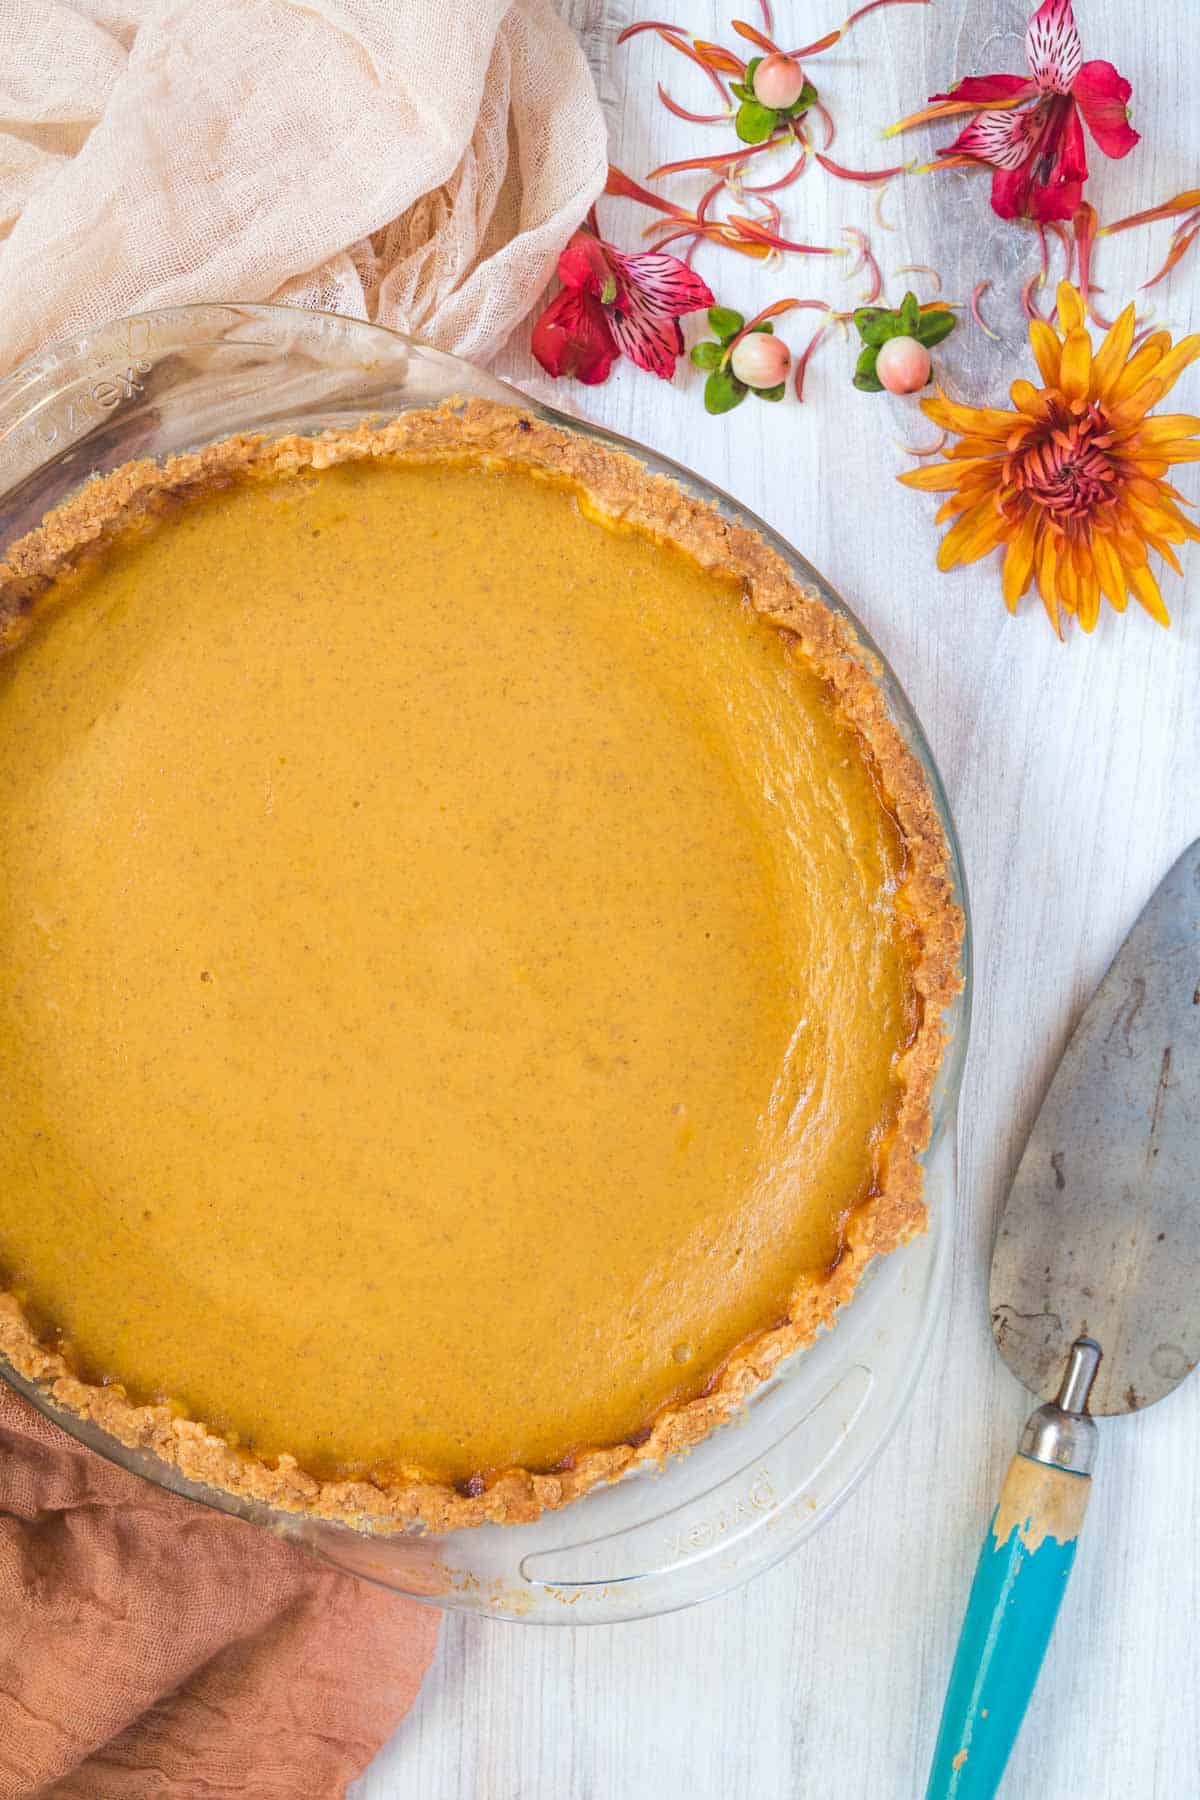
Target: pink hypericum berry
903,365
760,360
778,81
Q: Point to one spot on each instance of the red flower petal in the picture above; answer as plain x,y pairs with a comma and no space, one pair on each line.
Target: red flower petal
658,289
1053,47
773,187
1057,195
1084,228
662,281
648,338
986,90
1169,209
624,188
1103,98
1179,247
572,337
715,56
805,356
968,95
584,265
1049,185
1003,139
868,175
693,118
1010,193
755,37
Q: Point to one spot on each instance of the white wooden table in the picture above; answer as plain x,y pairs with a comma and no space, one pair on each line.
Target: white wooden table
1074,774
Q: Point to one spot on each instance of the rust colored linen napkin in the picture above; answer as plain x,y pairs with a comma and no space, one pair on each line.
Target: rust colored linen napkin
150,1647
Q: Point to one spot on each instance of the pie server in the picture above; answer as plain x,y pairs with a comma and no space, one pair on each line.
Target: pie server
1095,1303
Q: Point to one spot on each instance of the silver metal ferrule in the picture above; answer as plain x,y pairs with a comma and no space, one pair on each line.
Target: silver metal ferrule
1061,1434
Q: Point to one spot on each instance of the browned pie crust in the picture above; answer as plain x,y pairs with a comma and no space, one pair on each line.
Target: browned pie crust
618,489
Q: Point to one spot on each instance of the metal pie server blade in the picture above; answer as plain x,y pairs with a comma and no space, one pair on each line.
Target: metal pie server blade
1095,1302
1101,1234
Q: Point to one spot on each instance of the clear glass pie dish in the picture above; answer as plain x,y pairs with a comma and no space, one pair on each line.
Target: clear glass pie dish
164,382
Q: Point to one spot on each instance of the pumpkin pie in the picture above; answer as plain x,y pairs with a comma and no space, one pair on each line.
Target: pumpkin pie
473,945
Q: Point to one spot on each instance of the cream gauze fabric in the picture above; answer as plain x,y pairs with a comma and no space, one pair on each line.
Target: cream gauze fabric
415,162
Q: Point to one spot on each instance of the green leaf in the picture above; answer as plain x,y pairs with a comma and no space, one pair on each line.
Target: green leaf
933,327
808,94
910,316
725,322
865,378
876,324
775,393
767,325
750,68
755,122
741,91
722,392
707,355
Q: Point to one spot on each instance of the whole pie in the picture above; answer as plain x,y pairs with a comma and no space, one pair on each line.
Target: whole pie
473,945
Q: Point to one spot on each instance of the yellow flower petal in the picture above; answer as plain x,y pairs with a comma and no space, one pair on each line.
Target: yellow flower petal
1138,368
1162,427
1029,400
1018,559
1070,307
935,479
1158,494
1165,551
978,421
1148,519
1108,570
1075,367
977,532
1172,523
957,503
980,472
1166,373
1130,549
1046,567
1109,359
1145,589
1152,493
1150,467
1046,348
1089,601
985,449
1065,579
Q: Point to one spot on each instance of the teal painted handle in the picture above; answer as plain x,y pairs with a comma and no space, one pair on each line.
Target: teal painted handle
1019,1583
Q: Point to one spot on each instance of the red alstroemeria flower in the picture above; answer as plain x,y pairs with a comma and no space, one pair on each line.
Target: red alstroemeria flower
1037,149
615,305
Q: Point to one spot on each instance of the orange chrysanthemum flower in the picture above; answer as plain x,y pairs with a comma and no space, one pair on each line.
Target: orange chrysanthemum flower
1072,481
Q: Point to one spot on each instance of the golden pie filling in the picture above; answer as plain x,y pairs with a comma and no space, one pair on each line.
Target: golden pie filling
454,987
